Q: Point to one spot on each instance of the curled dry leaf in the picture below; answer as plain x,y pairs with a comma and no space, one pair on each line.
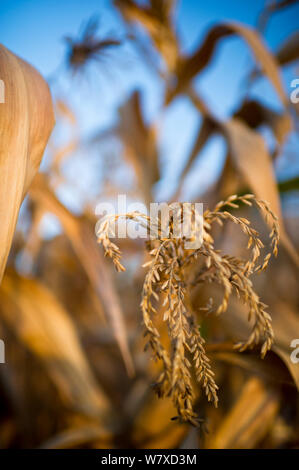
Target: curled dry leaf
194,64
289,51
247,153
270,8
26,121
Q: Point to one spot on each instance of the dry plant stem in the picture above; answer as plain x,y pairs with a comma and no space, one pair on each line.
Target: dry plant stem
166,281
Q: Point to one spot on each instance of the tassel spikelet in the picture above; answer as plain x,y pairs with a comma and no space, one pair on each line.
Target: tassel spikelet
166,285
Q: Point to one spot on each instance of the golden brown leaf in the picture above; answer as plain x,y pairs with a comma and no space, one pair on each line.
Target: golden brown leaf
47,330
193,65
84,244
289,51
249,419
28,106
252,160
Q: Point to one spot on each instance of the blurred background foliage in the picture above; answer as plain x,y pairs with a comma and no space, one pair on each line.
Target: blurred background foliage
158,100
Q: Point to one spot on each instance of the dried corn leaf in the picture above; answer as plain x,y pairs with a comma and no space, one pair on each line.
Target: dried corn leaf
140,144
285,326
64,109
85,246
193,65
28,106
47,330
289,51
78,437
248,152
270,9
153,428
63,151
250,418
157,19
207,128
252,363
251,158
255,114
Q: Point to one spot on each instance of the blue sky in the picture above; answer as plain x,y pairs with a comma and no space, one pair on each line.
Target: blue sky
35,29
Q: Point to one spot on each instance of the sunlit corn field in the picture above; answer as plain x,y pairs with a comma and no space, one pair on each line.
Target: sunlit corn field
130,342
